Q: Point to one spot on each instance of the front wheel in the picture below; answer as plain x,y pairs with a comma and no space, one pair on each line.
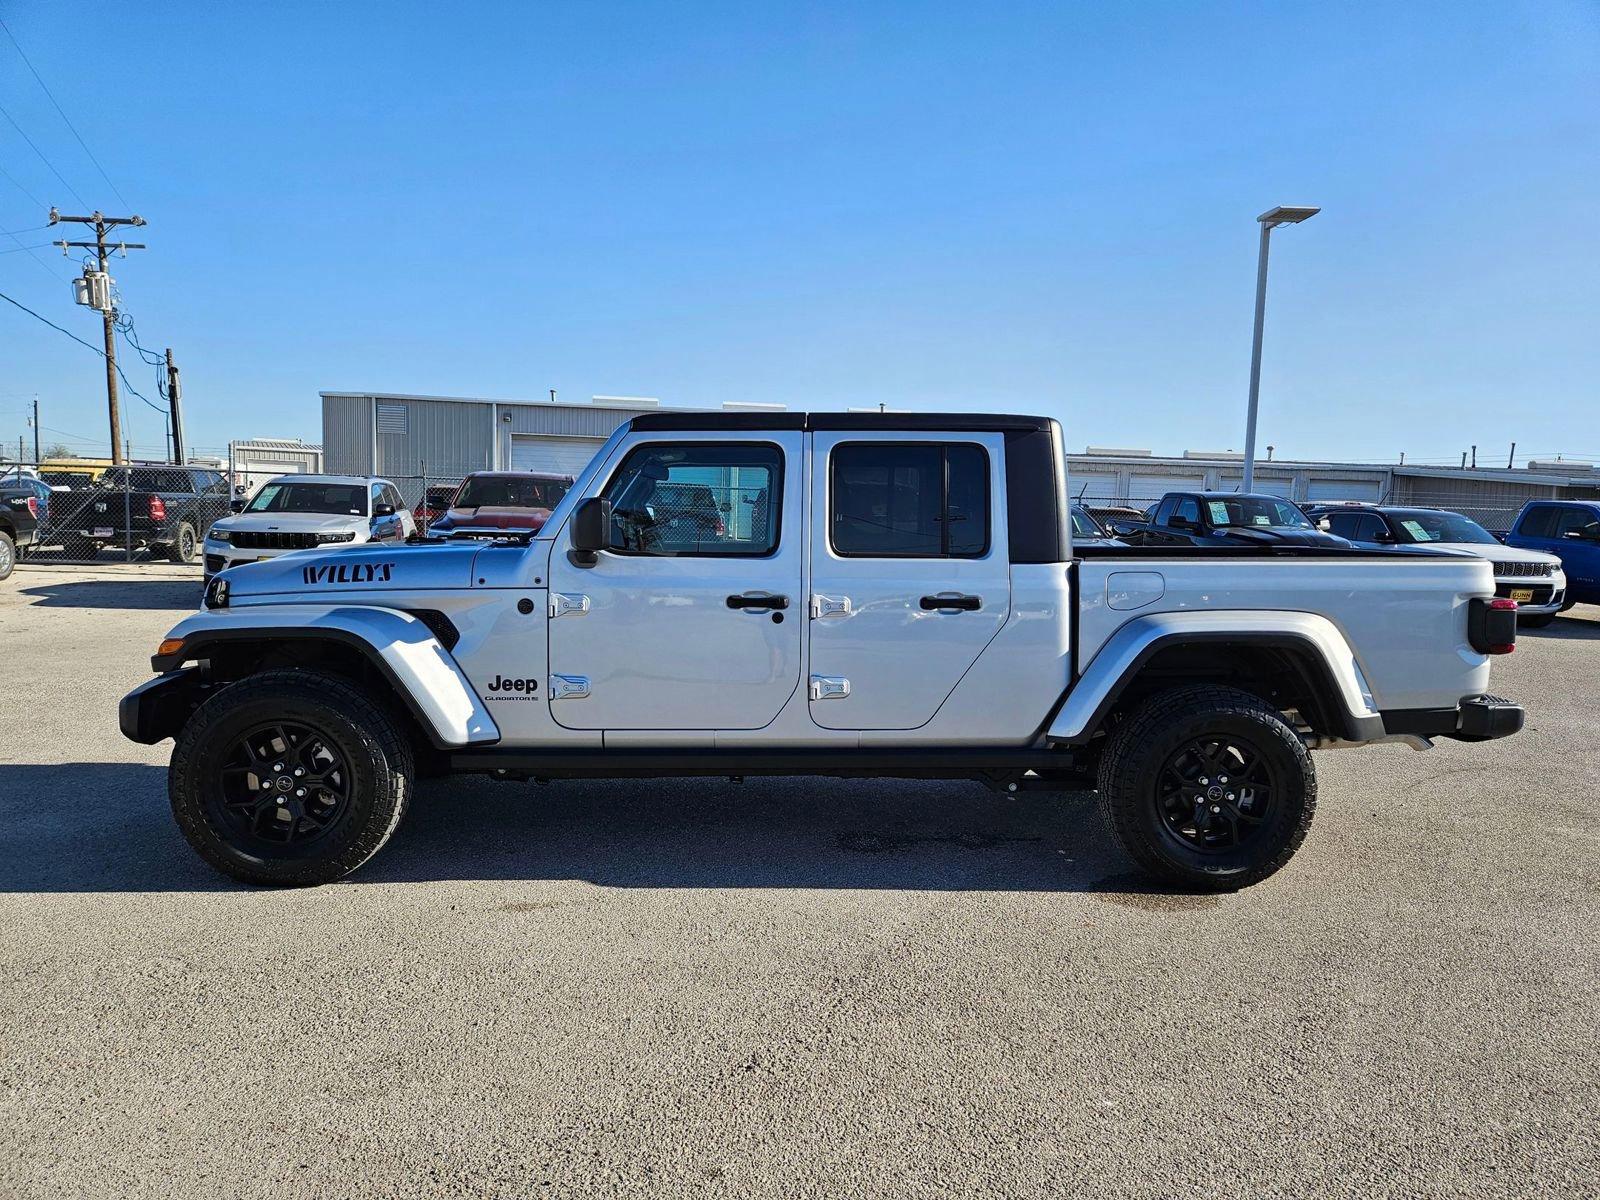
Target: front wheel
8,555
1207,787
290,777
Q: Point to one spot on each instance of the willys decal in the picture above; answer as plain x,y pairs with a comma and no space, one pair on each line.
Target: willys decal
335,573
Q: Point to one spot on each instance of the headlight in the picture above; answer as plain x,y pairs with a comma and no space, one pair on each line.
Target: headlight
220,535
324,539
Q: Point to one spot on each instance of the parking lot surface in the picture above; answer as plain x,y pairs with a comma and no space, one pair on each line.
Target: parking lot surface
788,988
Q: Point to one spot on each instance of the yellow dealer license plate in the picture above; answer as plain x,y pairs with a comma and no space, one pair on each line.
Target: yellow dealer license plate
1522,595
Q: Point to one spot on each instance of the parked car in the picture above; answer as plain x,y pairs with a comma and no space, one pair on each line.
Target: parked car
434,504
166,510
1533,579
1086,531
19,520
305,512
22,486
1569,529
897,601
1227,519
501,501
1104,514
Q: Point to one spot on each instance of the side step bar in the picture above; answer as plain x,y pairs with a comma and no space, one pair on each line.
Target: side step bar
984,764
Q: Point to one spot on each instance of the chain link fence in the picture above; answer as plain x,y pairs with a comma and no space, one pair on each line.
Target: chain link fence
137,513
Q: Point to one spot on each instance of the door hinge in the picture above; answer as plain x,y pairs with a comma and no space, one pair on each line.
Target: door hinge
569,687
829,687
562,603
829,606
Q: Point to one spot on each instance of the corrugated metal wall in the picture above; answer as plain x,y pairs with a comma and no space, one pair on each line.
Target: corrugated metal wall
441,438
346,434
561,420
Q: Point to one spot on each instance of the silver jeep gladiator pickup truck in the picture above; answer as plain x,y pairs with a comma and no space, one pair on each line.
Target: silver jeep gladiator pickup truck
736,594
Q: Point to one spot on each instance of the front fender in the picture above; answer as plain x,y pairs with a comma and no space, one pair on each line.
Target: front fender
1313,638
400,646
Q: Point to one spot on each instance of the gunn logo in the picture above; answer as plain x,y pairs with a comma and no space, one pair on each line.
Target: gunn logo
347,573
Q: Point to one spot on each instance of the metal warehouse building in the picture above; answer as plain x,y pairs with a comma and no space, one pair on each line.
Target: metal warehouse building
421,440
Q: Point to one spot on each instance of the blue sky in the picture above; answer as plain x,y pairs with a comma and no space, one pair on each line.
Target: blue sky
1004,207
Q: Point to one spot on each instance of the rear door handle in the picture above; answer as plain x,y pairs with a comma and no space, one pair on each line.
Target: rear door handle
953,600
761,602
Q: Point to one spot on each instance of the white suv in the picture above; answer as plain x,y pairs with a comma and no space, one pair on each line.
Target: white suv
308,512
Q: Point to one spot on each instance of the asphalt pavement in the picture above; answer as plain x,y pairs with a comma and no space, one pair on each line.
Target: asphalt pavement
788,988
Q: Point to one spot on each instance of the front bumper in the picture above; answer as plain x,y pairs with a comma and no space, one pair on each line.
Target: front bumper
1478,718
159,707
1535,597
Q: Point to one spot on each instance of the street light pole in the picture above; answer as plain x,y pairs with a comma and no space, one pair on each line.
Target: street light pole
1269,220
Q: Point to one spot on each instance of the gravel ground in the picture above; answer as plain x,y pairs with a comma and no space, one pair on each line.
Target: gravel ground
787,988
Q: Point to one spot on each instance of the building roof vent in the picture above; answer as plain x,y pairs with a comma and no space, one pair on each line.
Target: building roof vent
1114,452
1225,455
625,401
1570,466
752,406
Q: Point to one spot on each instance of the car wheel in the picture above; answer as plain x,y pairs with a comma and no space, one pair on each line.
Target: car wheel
80,547
1536,621
1207,787
1567,603
8,555
182,548
290,777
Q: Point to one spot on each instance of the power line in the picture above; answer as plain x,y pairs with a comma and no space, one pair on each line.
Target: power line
43,159
63,114
81,342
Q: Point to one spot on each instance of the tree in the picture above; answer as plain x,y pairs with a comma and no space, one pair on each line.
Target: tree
56,450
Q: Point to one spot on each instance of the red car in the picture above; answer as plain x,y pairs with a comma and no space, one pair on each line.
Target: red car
502,500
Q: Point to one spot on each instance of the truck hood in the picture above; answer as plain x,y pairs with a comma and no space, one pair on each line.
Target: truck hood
313,575
264,522
1287,537
493,517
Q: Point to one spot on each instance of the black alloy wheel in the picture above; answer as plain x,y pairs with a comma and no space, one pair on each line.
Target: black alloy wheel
1214,794
280,787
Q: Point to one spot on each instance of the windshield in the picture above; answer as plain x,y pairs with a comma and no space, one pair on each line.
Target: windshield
510,491
1084,526
344,499
1419,526
1255,512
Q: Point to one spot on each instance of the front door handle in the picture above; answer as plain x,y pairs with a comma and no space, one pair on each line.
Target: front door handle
953,600
761,602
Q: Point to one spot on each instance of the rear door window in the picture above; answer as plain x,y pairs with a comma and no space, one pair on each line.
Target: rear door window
909,500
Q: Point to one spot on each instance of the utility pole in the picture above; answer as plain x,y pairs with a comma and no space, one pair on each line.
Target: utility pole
36,431
108,313
174,390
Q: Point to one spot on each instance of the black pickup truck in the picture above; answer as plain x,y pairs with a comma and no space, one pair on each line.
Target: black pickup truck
163,509
19,520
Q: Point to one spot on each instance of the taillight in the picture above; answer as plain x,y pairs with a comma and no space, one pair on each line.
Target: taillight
33,506
1492,625
158,509
721,528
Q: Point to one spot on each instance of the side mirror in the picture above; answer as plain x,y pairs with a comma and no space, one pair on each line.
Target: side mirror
237,504
591,530
383,510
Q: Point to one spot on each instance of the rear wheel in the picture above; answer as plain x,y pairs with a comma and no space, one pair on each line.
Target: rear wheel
290,777
182,548
1207,787
8,555
80,547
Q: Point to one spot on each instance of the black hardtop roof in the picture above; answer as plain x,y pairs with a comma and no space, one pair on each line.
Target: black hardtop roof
887,421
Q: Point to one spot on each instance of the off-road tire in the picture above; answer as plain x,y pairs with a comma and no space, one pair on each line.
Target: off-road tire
182,549
1537,621
8,555
378,755
1141,745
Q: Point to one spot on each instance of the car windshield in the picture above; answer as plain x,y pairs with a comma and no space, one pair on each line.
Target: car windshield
510,491
1084,525
344,499
1420,526
1255,512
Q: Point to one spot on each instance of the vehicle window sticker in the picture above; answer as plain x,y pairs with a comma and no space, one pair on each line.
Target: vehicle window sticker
1219,512
1415,529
